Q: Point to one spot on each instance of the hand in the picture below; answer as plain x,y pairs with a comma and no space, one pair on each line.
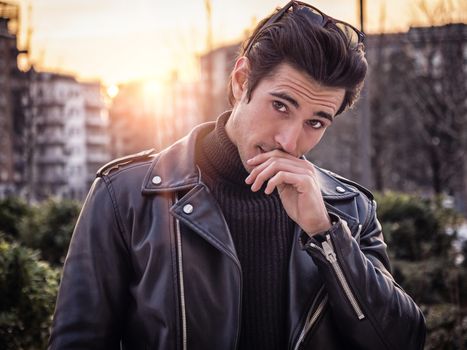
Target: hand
298,188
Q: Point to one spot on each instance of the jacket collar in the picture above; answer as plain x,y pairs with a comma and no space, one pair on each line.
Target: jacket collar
332,188
175,169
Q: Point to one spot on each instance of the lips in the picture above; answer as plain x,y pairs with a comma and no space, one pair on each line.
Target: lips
265,148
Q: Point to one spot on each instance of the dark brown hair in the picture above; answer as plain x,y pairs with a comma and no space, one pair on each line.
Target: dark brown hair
323,53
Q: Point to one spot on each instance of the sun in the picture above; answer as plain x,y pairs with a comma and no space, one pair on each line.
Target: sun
152,89
112,91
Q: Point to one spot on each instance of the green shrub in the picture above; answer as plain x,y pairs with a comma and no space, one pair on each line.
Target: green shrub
420,235
416,228
428,282
446,329
49,228
28,289
12,210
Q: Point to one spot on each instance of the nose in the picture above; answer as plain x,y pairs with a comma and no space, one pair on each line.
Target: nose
288,139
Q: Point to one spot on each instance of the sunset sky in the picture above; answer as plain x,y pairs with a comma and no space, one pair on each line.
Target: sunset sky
121,40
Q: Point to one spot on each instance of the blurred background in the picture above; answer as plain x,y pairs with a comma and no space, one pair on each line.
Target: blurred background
86,81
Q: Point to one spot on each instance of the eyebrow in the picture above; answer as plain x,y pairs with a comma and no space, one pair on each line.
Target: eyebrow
295,103
286,97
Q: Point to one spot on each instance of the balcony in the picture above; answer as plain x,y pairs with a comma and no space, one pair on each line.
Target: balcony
99,140
50,159
49,103
93,103
50,119
95,121
47,99
97,158
54,180
51,139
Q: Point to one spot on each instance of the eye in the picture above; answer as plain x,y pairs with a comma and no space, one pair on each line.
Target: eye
315,124
279,106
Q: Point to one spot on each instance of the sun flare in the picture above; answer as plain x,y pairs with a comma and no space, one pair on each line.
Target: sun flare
112,91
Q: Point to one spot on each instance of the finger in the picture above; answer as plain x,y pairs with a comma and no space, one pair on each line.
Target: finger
298,181
273,169
308,167
258,169
274,158
260,158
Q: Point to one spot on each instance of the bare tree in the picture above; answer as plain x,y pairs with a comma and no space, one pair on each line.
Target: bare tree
419,107
436,91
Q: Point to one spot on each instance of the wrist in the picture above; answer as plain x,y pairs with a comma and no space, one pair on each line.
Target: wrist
322,226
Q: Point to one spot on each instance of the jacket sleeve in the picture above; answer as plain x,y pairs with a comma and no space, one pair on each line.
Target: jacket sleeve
369,308
93,291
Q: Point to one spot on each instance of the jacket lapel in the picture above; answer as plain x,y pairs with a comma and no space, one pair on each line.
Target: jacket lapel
175,170
205,218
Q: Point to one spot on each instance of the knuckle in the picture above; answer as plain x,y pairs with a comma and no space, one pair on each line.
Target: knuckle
262,176
307,164
255,171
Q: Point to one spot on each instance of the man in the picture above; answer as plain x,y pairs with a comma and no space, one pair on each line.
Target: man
230,238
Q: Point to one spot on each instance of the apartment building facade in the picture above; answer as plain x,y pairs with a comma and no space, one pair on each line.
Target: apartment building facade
71,135
10,86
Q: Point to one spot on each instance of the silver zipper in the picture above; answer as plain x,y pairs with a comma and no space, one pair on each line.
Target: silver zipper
311,318
357,235
330,255
181,283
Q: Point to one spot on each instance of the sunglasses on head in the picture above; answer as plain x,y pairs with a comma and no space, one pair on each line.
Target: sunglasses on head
354,36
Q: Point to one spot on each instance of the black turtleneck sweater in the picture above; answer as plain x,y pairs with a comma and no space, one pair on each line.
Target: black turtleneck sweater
262,233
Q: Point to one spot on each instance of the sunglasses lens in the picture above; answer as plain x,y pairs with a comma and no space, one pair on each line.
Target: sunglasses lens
321,19
313,15
350,33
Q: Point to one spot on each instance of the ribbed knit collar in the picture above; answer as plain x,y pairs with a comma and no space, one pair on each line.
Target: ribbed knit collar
220,155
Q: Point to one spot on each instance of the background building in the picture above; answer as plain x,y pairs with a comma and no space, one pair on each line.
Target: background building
10,83
132,123
53,129
215,74
71,135
143,117
51,95
97,132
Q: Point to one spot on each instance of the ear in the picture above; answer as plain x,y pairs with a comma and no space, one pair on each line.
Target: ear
240,77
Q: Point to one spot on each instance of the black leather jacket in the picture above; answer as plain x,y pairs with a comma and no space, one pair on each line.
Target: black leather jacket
152,265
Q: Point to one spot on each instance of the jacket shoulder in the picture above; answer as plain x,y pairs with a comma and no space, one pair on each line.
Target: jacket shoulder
122,162
353,184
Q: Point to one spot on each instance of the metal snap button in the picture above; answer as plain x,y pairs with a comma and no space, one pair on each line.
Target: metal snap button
340,189
156,180
188,209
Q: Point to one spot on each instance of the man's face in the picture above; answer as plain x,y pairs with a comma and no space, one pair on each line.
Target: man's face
287,111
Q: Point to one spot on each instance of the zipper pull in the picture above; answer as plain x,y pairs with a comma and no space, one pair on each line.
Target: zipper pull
328,250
